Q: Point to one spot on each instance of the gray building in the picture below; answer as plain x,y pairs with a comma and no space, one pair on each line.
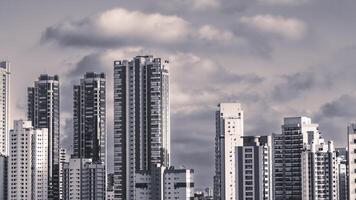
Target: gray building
43,112
84,180
287,151
62,161
141,120
343,181
89,118
3,177
254,168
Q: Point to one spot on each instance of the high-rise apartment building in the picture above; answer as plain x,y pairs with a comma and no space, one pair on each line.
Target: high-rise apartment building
229,129
253,162
320,172
39,164
84,180
342,154
297,133
62,161
3,176
165,183
4,106
141,120
351,132
90,118
43,112
27,166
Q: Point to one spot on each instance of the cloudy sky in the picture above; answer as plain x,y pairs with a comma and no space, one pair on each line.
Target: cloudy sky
277,57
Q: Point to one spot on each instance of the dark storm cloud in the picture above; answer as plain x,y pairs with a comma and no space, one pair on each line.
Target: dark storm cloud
341,107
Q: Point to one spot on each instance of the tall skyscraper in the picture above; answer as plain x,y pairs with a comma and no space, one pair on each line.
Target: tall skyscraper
254,168
4,125
351,132
141,120
297,133
43,112
4,107
229,129
27,175
90,118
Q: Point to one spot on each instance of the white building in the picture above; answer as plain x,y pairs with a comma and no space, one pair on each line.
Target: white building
351,131
40,164
110,195
27,162
62,161
165,183
178,183
229,129
84,180
297,132
319,172
4,107
254,168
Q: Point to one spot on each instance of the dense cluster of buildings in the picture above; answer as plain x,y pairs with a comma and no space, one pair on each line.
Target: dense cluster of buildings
296,164
34,166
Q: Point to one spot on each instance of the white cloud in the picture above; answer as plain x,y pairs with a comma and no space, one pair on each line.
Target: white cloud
124,23
211,33
289,28
121,27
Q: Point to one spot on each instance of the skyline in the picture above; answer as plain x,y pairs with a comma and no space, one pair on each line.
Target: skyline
259,86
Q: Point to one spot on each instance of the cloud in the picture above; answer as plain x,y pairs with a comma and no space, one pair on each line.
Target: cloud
211,33
289,28
121,27
283,2
341,107
294,85
203,4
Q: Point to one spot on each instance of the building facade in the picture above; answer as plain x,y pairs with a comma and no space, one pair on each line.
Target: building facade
351,132
253,162
141,120
90,118
43,112
62,161
39,164
342,154
27,166
229,129
3,175
84,179
165,183
297,132
320,172
178,183
4,107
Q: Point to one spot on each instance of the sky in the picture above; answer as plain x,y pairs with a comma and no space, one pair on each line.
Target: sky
277,58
